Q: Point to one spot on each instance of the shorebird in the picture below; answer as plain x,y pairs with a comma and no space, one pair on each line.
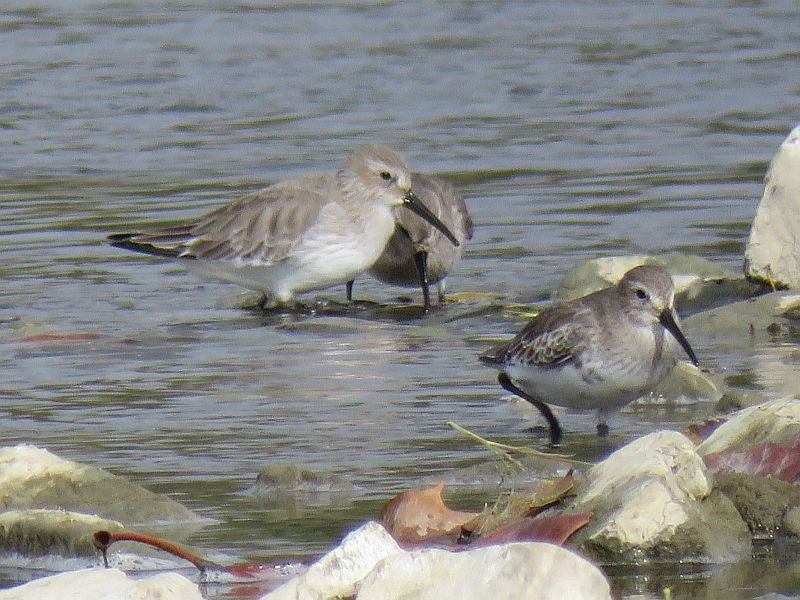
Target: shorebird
297,235
600,351
417,252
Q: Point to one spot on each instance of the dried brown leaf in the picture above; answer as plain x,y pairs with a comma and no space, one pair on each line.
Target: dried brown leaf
418,515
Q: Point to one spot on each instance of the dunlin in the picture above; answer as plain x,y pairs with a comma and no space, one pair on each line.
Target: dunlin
298,235
417,252
600,351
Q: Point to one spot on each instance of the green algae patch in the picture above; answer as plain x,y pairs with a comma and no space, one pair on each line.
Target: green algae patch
763,502
40,532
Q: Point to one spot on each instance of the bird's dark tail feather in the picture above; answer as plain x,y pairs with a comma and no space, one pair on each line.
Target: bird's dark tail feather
128,242
494,356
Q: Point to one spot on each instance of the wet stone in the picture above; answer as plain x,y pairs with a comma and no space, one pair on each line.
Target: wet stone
772,255
31,477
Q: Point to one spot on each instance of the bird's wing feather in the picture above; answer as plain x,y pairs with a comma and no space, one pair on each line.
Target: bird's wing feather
257,229
548,339
260,228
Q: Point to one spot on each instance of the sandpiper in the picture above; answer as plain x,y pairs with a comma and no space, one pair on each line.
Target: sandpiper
418,253
297,235
600,351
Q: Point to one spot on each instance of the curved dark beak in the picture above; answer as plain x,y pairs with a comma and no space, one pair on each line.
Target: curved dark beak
668,321
413,203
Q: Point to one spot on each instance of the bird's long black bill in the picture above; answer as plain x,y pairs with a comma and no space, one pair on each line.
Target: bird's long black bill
668,321
413,203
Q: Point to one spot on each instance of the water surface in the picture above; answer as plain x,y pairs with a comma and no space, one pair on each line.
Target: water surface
575,129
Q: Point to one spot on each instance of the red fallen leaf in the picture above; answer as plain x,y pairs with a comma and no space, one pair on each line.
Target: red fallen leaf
555,529
417,515
700,431
781,460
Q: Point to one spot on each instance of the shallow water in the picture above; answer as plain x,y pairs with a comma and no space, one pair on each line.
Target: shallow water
575,129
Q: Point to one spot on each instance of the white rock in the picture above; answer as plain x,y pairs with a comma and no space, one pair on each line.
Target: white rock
105,584
651,499
646,485
23,462
337,573
772,253
773,421
529,571
665,455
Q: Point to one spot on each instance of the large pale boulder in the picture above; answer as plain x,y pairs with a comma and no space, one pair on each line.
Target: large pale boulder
369,565
108,584
772,254
337,574
524,571
652,499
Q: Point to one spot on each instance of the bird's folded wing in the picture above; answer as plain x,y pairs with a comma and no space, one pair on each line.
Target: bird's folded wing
548,339
258,229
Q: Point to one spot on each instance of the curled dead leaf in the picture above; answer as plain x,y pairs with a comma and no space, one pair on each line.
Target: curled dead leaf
418,515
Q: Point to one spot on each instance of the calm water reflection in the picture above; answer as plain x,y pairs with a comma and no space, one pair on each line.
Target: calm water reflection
575,129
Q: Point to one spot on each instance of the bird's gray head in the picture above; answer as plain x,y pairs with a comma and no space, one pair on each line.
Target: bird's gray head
650,289
649,286
380,173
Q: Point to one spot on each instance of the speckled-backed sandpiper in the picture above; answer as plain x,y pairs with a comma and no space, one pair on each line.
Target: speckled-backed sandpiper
600,351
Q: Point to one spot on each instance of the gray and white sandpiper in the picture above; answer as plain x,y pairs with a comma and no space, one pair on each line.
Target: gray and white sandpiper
600,351
298,235
418,254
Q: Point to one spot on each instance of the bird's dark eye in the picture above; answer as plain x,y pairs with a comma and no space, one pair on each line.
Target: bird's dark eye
641,294
386,176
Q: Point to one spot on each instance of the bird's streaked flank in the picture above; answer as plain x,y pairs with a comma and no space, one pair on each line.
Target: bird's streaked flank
600,351
298,235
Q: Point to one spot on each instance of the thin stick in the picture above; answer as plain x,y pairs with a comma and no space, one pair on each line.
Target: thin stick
505,450
103,539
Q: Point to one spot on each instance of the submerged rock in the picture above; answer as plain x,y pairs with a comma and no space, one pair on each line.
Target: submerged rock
524,571
772,255
108,584
31,477
742,322
652,499
688,272
687,384
289,486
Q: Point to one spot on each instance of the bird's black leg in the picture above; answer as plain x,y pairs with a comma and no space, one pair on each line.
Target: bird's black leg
602,426
555,428
349,285
421,260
